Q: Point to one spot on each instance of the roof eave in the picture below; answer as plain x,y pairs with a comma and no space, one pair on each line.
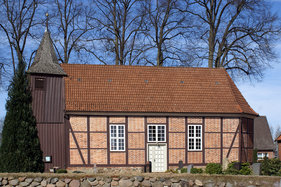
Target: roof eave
47,74
163,114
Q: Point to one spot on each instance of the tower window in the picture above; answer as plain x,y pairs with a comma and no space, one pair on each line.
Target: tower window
39,83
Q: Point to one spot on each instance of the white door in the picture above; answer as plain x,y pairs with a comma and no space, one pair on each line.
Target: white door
157,154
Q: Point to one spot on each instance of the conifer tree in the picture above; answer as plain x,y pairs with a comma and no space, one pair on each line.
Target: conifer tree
20,149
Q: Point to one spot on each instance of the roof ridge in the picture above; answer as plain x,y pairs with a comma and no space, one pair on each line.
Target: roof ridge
139,66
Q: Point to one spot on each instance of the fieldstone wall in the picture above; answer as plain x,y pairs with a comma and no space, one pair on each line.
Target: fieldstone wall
154,180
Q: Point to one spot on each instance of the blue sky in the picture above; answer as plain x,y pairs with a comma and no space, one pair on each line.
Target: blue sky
263,96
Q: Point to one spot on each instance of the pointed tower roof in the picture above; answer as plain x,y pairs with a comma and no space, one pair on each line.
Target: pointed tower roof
45,61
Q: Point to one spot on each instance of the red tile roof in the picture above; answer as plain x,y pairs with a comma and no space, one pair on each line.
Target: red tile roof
100,88
279,138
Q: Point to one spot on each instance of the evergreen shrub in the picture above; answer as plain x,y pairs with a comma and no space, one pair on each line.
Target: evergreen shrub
196,170
61,171
213,168
20,149
183,170
245,169
271,167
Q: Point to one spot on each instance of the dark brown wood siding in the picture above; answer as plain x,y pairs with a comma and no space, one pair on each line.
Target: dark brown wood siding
48,103
52,140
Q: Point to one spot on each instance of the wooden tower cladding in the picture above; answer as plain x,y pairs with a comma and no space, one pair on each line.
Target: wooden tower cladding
48,103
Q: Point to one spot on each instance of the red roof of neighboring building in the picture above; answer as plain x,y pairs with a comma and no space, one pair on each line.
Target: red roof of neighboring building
107,88
279,138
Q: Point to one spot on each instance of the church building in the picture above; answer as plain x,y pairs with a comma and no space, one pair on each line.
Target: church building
123,116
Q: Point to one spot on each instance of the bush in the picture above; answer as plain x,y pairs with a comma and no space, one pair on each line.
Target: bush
271,167
61,171
183,170
171,171
213,168
231,170
245,169
255,156
196,170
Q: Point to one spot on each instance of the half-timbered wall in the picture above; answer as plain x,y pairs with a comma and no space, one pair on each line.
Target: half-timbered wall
177,137
230,137
247,138
136,141
196,157
89,140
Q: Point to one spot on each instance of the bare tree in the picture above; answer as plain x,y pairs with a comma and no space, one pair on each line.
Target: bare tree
117,37
275,132
1,69
165,35
1,123
17,20
70,26
236,34
1,128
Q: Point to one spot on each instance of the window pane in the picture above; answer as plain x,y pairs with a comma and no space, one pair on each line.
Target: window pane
152,133
113,131
198,131
190,131
198,143
161,133
190,143
120,131
121,144
113,144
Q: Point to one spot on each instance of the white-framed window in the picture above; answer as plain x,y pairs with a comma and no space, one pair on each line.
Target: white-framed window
156,133
262,155
117,137
195,137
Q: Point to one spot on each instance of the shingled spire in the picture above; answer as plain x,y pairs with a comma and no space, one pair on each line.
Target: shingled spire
45,61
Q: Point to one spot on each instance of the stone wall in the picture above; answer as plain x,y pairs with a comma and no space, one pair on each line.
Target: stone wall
159,180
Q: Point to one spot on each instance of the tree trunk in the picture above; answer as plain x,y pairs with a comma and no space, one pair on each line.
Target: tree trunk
211,49
212,35
159,56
